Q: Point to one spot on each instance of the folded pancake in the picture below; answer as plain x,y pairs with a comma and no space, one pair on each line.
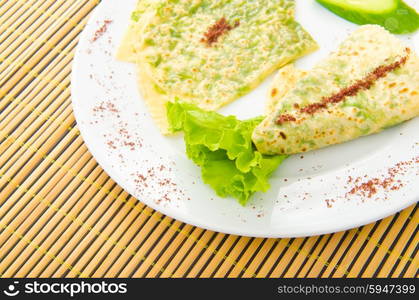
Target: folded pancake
210,53
370,83
133,39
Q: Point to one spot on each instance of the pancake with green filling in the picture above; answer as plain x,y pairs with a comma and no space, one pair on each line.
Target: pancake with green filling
370,83
210,53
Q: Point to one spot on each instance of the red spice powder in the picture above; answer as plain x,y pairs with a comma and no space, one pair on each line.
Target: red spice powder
102,29
154,182
285,118
111,144
329,203
388,183
220,28
105,106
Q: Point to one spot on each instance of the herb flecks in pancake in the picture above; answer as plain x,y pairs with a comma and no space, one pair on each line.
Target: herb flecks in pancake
199,52
362,84
220,28
285,118
369,83
221,146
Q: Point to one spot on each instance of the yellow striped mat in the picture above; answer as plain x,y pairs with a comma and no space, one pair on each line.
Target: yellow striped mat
62,216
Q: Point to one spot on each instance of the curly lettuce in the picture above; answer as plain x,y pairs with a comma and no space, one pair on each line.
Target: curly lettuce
223,148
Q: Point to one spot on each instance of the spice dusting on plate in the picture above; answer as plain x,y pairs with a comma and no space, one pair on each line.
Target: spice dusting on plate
101,31
285,118
111,144
220,28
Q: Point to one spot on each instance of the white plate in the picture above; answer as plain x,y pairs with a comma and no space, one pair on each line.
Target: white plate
309,194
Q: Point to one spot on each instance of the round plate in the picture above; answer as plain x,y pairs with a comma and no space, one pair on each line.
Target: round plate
319,192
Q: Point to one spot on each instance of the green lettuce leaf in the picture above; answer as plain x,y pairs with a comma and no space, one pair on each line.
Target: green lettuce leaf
223,148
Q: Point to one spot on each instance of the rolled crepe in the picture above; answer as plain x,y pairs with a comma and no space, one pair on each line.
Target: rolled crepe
370,83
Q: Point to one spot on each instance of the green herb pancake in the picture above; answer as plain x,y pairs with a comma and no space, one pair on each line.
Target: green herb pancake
210,53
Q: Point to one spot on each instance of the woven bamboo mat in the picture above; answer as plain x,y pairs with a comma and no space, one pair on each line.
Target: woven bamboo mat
62,216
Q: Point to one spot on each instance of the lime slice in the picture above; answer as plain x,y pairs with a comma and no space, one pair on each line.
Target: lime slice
395,15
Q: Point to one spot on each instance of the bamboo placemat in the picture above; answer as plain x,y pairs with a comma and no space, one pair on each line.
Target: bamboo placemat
62,216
